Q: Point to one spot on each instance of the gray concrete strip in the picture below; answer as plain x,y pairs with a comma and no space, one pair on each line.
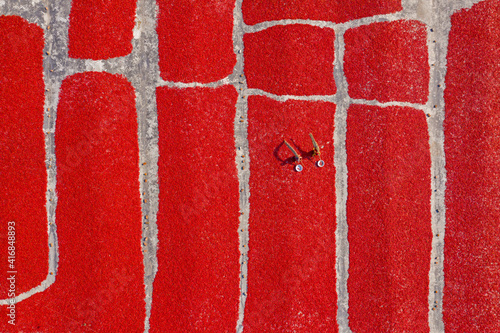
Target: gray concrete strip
268,24
416,106
325,24
225,81
340,160
242,156
284,98
142,69
55,39
435,111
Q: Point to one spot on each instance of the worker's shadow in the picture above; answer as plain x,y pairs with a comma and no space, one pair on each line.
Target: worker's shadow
282,150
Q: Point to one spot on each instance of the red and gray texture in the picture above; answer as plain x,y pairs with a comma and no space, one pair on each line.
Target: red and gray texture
472,143
145,171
